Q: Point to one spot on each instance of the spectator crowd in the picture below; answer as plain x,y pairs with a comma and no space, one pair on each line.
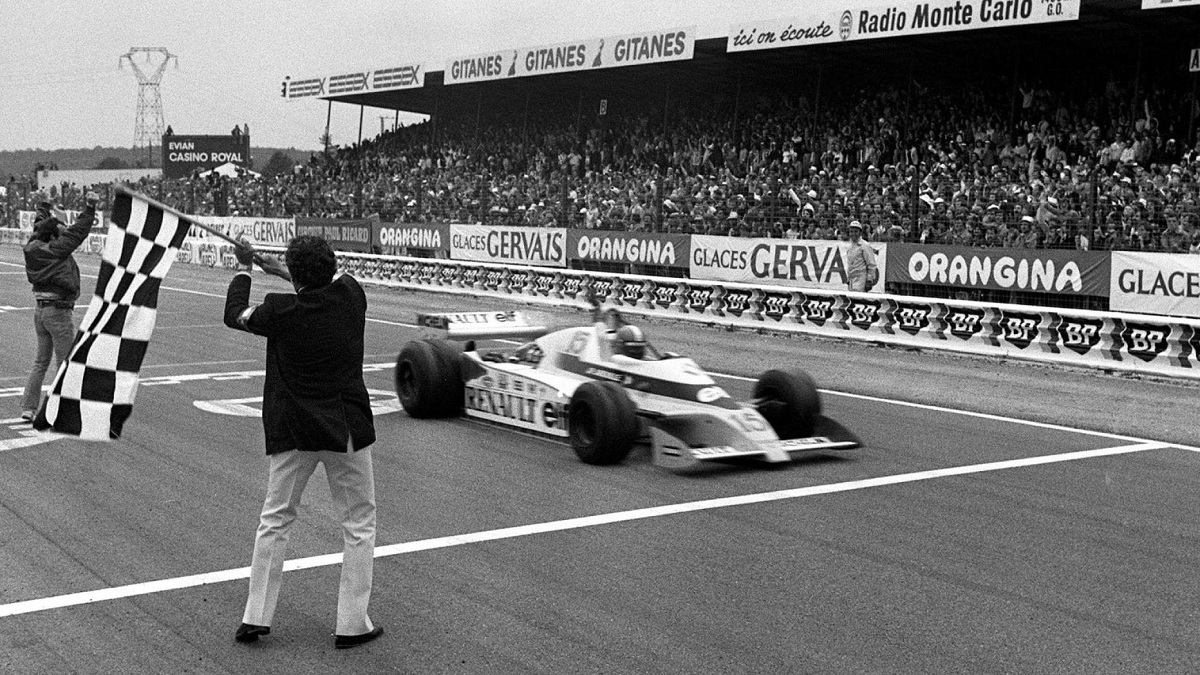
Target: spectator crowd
996,164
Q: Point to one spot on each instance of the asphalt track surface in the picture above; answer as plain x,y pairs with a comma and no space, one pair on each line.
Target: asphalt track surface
1001,518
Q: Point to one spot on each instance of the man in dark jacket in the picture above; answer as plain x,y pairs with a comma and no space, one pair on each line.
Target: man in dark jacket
54,275
316,410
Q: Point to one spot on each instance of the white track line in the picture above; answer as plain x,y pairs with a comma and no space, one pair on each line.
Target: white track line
145,588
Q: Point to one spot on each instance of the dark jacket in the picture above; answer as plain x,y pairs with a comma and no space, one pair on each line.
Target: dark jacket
314,397
49,265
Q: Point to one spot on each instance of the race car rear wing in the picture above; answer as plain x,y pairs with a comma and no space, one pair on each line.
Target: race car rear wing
482,325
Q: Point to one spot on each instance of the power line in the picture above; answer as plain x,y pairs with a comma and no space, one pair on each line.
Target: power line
149,123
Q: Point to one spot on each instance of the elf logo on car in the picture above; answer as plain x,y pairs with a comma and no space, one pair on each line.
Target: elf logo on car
710,394
552,415
777,305
1145,341
1019,329
963,324
912,319
1079,335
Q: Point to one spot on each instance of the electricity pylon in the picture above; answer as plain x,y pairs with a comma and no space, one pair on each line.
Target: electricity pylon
149,124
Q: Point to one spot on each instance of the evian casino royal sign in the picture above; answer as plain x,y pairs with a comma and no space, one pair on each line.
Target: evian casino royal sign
824,21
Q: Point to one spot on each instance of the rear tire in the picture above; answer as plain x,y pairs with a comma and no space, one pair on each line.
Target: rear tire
603,423
789,401
428,379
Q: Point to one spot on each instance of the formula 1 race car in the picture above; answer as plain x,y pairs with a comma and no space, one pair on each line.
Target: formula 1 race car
603,387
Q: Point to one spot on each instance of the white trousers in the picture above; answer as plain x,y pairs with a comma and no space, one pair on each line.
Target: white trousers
352,485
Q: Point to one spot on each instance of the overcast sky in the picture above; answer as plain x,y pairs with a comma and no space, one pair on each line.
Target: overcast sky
62,88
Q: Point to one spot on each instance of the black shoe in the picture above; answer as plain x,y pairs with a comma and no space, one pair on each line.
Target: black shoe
348,641
248,632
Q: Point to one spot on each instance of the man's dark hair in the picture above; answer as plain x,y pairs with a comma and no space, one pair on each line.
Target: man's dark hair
310,261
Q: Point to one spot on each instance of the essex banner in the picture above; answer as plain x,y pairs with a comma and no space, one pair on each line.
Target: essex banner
1155,283
1005,269
826,21
676,44
543,246
633,248
408,76
787,262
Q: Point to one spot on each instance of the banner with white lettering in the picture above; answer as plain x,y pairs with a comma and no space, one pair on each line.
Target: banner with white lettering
678,44
826,21
788,262
1155,283
633,248
257,231
1006,269
398,238
545,246
183,155
342,235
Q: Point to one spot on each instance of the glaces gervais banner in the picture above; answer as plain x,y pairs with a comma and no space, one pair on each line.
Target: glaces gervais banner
606,52
1155,283
257,231
546,246
826,21
634,248
1006,269
788,262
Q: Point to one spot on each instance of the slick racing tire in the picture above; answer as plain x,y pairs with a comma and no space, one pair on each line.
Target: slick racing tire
428,379
789,401
603,423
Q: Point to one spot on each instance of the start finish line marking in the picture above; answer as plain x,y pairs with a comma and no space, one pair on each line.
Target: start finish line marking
146,588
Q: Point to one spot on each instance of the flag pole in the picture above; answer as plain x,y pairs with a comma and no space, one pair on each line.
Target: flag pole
191,220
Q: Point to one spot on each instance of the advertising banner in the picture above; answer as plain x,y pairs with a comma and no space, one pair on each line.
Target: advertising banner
676,44
788,262
1008,269
408,76
342,235
1166,4
398,238
825,21
1155,283
259,231
544,246
184,154
634,248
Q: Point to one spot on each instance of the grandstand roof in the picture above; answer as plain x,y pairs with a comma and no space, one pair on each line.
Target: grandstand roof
1113,35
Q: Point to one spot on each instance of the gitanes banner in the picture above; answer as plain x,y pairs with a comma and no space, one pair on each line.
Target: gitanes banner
825,21
1155,283
543,246
787,262
634,248
1008,269
677,44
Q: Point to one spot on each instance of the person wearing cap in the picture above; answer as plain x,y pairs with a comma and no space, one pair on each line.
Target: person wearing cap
861,270
54,275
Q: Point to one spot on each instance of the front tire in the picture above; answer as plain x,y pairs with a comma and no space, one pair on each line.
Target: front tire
428,379
789,401
603,423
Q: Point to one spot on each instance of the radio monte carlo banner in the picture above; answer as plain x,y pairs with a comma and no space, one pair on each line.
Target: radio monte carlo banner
184,154
825,21
539,246
778,262
1007,269
676,44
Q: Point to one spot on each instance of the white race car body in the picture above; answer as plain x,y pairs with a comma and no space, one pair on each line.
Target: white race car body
689,417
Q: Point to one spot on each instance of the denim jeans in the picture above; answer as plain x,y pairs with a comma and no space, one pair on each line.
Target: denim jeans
55,330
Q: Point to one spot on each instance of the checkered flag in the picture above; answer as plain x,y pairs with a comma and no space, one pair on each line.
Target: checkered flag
92,394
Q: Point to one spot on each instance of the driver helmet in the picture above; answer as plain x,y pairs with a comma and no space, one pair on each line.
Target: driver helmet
631,342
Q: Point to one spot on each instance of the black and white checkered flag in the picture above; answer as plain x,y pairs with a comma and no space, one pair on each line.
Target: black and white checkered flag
92,394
